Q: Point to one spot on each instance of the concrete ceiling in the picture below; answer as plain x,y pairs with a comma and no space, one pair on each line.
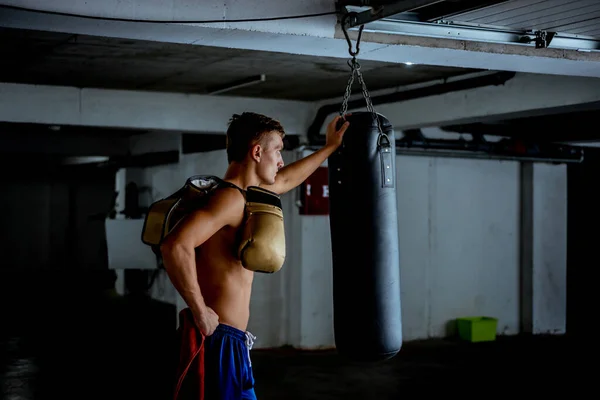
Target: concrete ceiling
82,60
52,58
93,61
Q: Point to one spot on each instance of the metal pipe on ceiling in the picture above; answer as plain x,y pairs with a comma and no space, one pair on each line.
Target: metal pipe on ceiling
414,143
314,132
514,149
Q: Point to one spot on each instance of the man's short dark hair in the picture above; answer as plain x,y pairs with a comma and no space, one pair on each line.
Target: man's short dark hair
246,130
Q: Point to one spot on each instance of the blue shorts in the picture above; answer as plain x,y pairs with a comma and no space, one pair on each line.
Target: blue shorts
228,369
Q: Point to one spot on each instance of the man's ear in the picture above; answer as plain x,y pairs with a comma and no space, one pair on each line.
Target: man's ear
256,152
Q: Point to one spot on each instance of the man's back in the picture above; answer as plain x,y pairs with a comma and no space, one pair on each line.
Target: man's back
225,284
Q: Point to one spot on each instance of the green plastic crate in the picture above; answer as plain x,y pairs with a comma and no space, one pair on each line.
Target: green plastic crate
477,329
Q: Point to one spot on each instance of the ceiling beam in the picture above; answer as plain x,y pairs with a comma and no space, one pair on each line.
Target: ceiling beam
478,97
175,112
400,96
51,140
524,95
323,37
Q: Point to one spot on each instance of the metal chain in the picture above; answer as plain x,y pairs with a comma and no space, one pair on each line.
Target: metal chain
355,67
348,91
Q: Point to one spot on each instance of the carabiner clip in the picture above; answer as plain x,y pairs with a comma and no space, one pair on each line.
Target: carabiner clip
344,22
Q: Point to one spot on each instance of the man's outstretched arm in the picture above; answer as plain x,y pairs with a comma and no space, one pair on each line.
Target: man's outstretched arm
297,172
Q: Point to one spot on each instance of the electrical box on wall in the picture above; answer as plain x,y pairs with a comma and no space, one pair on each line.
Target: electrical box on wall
314,193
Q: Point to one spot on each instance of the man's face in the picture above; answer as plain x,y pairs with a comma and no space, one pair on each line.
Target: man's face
271,160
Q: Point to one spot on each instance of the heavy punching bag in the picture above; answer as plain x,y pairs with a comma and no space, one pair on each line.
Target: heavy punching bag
364,239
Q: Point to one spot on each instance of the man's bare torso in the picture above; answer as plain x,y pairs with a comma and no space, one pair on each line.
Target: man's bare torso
225,284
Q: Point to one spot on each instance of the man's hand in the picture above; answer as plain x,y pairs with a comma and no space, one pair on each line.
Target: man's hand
334,134
295,173
207,321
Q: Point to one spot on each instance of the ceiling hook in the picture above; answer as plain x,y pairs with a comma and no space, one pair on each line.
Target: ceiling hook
352,17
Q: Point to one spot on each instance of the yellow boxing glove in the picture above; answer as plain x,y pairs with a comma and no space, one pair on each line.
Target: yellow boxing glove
262,239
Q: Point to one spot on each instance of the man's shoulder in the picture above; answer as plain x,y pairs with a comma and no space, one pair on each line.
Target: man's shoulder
230,198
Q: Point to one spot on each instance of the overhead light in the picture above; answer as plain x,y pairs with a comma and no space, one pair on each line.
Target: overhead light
85,160
409,63
253,80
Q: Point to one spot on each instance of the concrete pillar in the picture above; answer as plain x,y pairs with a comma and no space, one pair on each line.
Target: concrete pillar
526,247
543,248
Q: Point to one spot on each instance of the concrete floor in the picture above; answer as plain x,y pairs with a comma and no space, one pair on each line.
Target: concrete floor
52,348
68,369
509,365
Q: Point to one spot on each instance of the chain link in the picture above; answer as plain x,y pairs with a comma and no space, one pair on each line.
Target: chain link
355,67
348,91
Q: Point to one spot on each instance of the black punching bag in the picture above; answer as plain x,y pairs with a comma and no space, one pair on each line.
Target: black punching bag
364,240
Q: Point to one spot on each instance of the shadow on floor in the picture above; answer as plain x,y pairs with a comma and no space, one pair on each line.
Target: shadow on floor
62,337
73,344
449,367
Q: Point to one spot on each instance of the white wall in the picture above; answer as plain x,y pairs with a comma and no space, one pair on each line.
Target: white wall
459,233
459,246
549,258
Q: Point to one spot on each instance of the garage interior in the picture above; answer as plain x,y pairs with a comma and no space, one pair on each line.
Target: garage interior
107,107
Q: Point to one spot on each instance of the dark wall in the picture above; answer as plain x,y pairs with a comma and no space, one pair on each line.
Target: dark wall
583,241
63,334
53,239
55,219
